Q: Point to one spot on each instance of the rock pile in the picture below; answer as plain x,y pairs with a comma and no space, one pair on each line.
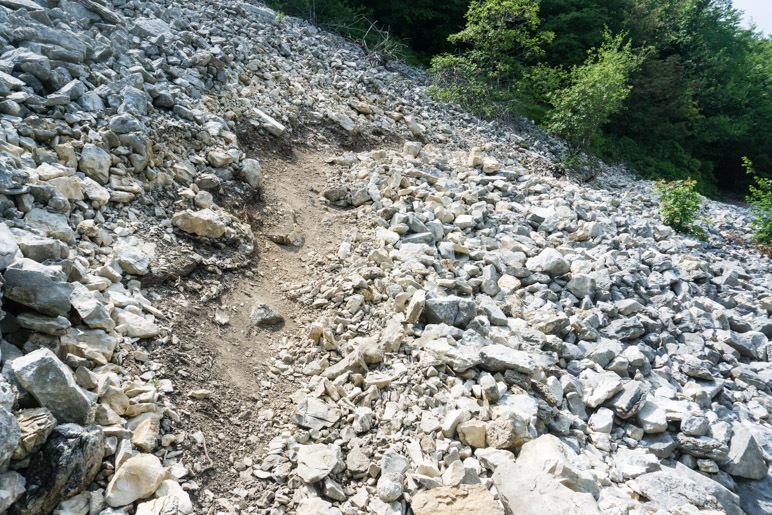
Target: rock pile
500,336
492,339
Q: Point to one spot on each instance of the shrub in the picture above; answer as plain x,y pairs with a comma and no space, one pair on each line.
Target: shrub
760,199
498,39
597,89
679,204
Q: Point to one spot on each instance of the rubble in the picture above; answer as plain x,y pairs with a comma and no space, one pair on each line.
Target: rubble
492,337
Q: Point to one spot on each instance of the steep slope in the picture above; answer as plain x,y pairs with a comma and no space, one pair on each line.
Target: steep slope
364,301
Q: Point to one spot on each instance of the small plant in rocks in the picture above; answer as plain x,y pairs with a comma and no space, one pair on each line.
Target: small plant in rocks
760,199
679,205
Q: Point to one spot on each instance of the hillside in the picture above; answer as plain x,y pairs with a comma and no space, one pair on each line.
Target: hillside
249,268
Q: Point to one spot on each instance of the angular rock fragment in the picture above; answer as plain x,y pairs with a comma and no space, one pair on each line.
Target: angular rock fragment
64,467
53,385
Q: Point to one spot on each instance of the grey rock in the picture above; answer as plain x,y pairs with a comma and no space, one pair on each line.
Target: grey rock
393,468
581,285
497,358
55,326
38,248
263,315
670,488
313,413
67,463
549,261
629,401
12,487
703,447
525,491
52,384
508,431
547,453
317,461
37,290
8,247
746,458
53,225
95,163
756,496
625,329
10,434
451,310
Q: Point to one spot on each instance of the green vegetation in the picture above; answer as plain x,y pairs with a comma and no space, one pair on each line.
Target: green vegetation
597,90
688,90
498,37
760,199
679,204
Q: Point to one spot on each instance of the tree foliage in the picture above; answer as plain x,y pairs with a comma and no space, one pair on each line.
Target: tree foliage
699,101
499,38
597,89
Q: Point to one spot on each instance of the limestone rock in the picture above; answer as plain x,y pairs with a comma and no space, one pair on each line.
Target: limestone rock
746,459
9,437
525,491
201,223
64,467
315,462
136,479
52,384
95,163
460,500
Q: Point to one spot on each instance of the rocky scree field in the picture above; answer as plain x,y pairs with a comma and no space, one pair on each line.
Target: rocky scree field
247,268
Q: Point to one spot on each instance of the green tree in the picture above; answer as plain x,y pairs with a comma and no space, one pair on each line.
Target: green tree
597,89
499,38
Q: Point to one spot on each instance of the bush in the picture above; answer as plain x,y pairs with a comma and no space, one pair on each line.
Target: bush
760,199
597,89
498,39
679,204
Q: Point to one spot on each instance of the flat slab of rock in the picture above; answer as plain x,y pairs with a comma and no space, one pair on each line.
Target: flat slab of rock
525,491
460,500
37,290
316,462
497,358
313,413
201,223
53,385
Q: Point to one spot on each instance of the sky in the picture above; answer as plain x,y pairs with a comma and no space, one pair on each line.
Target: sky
759,10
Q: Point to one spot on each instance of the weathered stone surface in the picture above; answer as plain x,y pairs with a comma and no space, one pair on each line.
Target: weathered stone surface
95,163
52,384
9,436
671,488
263,315
201,223
497,358
508,431
746,459
136,479
460,500
452,310
37,290
64,467
36,425
12,486
549,261
8,247
525,491
313,413
46,223
315,462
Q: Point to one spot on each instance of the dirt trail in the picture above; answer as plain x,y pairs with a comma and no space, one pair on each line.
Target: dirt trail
216,347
